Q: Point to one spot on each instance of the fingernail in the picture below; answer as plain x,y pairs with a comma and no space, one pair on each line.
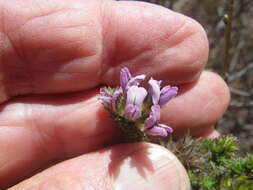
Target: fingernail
151,167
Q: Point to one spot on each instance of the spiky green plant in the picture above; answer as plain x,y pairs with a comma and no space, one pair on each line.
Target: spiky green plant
213,164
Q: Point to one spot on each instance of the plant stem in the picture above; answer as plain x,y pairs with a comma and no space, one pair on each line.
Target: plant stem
171,4
228,19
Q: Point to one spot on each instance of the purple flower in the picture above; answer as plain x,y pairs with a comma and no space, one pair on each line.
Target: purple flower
132,112
115,96
154,90
167,93
105,92
152,125
107,101
126,79
158,96
135,81
125,76
106,97
160,130
136,95
154,117
135,98
109,98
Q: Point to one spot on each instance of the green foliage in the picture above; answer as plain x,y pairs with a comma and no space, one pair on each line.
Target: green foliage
213,164
202,182
221,149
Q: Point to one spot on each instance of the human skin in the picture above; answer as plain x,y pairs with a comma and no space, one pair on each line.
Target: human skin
55,55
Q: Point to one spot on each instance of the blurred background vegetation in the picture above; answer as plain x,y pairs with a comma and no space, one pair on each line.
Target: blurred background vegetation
233,58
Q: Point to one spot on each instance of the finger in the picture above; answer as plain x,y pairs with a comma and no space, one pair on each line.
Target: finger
38,130
200,105
210,133
59,127
128,166
63,46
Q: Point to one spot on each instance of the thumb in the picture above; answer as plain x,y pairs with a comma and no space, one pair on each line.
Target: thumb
137,166
150,167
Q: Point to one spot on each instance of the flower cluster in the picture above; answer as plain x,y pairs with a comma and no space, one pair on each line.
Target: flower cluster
137,105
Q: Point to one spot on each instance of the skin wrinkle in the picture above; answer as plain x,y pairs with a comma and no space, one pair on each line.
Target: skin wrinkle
76,62
171,36
196,66
24,61
57,128
104,23
185,37
29,19
8,163
65,13
87,57
45,139
67,63
66,44
36,150
101,51
189,37
194,34
167,37
3,95
44,15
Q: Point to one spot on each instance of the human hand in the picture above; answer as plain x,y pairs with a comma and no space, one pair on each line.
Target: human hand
56,54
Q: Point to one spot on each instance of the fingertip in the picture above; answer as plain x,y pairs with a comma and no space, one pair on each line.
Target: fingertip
151,167
153,40
220,87
200,106
210,133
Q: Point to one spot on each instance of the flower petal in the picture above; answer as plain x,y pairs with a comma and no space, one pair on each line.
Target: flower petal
106,100
166,127
118,92
104,91
154,90
154,117
157,131
167,93
115,96
136,95
135,81
125,76
132,112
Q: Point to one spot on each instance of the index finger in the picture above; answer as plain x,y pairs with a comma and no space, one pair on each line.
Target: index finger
52,47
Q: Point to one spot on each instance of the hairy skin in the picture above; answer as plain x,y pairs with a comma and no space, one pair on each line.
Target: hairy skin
54,57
